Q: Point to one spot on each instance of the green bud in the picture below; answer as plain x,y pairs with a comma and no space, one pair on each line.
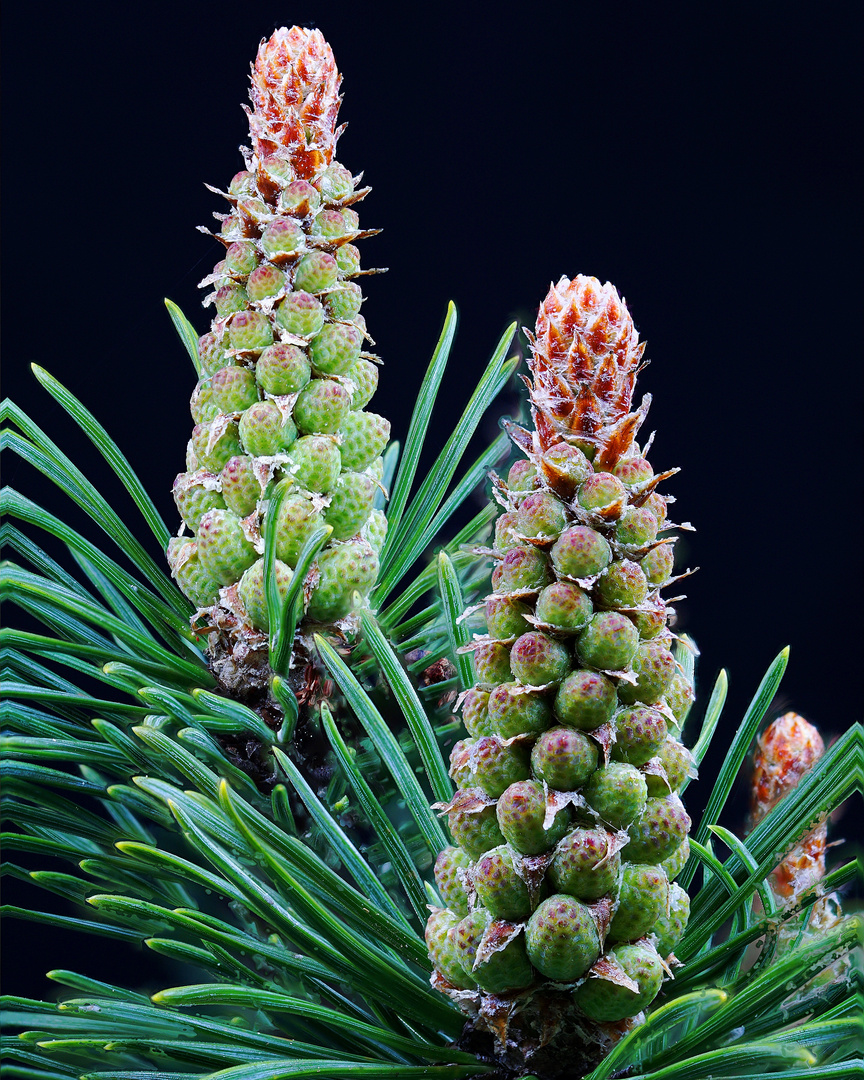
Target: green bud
654,666
476,831
450,868
223,548
606,1001
351,504
211,353
541,516
505,617
250,330
264,431
321,407
488,764
335,348
634,470
580,552
282,238
475,713
514,711
500,888
348,259
316,272
565,467
252,592
345,302
670,926
298,519
585,700
639,735
521,812
442,948
299,198
491,663
240,487
537,659
195,494
657,564
663,826
266,281
214,443
335,183
364,436
301,314
618,793
643,899
623,585
523,476
241,257
522,569
504,970
565,759
282,369
363,374
561,938
505,533
601,491
231,298
564,606
233,389
193,579
636,527
343,569
608,642
314,463
585,864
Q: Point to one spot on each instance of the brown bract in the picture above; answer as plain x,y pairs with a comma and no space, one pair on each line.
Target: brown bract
295,98
585,357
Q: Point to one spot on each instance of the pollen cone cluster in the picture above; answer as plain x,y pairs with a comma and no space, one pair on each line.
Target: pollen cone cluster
284,375
560,906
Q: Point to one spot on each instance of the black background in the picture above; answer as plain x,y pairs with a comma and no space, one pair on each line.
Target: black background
704,158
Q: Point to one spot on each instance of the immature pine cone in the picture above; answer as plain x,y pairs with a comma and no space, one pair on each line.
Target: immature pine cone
285,379
785,753
567,825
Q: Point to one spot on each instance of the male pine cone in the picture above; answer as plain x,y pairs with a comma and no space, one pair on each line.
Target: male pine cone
559,892
284,378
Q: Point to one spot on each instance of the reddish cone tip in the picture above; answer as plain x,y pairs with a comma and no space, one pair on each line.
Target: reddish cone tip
295,94
586,354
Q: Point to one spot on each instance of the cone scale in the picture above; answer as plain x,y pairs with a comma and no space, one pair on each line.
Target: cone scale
285,376
561,911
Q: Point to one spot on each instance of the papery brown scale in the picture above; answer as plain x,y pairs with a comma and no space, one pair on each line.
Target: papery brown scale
580,366
606,378
546,431
556,345
586,411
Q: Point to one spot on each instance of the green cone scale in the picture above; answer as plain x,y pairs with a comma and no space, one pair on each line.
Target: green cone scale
571,771
285,378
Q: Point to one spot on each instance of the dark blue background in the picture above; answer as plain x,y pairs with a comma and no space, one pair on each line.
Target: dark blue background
705,158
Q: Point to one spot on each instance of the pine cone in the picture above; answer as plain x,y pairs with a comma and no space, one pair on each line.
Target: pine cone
284,375
577,676
785,753
788,750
